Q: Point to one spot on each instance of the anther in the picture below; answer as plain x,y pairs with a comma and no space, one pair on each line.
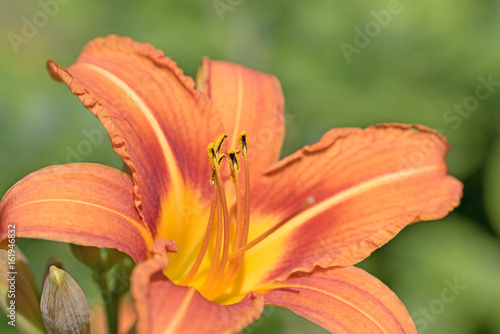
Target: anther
242,141
234,163
211,155
243,220
222,239
218,144
224,267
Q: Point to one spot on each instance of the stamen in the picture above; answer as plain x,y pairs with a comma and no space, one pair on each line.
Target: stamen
206,240
225,249
246,225
218,144
308,202
219,264
212,158
212,178
225,266
242,141
234,264
214,162
234,163
218,244
242,227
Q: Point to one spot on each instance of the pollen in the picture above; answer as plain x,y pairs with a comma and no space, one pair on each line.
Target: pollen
234,163
218,143
242,142
211,155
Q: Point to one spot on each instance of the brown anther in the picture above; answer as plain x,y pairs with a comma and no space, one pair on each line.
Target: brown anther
218,144
211,155
242,141
234,163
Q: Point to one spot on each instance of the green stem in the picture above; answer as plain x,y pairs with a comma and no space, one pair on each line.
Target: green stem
111,301
112,313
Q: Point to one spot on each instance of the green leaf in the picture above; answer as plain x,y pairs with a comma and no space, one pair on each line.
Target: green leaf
492,187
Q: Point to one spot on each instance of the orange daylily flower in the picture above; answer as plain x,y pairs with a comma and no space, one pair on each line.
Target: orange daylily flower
262,231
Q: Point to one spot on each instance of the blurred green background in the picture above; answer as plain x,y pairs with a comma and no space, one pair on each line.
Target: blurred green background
421,64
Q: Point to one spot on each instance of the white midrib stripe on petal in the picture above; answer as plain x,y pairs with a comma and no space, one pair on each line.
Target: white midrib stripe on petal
170,159
328,202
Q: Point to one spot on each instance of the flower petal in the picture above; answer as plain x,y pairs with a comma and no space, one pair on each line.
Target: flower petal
158,123
164,307
343,300
367,185
86,204
249,101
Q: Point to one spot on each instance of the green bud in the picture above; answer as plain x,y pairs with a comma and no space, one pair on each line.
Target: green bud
63,305
95,258
88,255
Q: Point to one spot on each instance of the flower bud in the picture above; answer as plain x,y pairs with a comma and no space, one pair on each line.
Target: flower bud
52,261
18,287
63,305
88,255
97,258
